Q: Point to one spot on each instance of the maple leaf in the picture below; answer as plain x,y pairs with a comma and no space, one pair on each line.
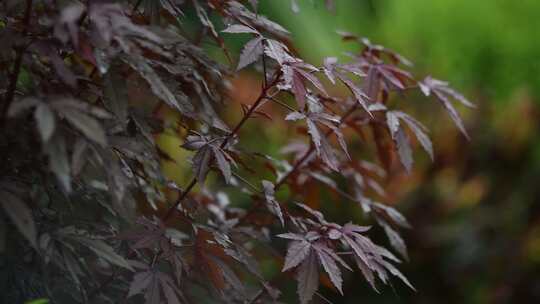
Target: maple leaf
443,93
253,49
327,258
393,76
389,213
396,240
297,252
240,29
278,51
333,70
374,50
255,20
140,282
309,251
272,204
316,214
296,75
404,149
370,257
322,146
205,21
152,284
390,219
20,214
308,278
66,26
393,121
208,150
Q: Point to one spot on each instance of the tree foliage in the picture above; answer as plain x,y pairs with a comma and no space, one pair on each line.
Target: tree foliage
81,87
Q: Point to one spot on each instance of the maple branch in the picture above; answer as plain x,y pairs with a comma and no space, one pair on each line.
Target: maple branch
252,109
311,149
300,162
245,181
231,135
10,94
173,208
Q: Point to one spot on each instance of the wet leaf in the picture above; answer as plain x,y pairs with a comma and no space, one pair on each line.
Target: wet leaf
331,269
46,121
223,164
90,127
404,149
240,29
396,241
308,278
140,282
272,204
201,163
251,52
104,251
441,90
58,160
297,252
158,87
21,105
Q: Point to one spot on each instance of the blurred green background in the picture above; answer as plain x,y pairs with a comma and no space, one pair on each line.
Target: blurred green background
476,210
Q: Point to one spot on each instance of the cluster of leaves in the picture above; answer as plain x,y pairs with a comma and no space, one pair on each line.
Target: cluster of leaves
83,86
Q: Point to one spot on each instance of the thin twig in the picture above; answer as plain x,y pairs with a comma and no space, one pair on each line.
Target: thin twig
252,109
323,297
171,210
245,181
281,103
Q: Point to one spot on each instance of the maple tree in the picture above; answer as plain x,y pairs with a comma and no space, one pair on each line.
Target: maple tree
81,157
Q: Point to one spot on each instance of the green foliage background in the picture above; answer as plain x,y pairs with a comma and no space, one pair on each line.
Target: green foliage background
488,45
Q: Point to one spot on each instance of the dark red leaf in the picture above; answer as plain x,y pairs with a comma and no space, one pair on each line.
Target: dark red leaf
308,278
